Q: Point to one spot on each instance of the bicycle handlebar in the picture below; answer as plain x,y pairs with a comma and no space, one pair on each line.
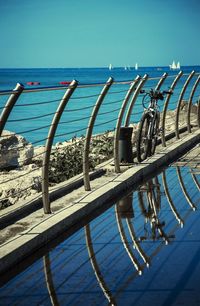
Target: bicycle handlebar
156,94
169,92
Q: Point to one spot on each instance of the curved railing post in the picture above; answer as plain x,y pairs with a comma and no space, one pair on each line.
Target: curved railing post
160,82
179,103
172,87
198,113
135,95
96,108
119,122
49,143
190,103
9,105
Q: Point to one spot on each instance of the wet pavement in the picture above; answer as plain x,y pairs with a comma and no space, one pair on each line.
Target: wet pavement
143,250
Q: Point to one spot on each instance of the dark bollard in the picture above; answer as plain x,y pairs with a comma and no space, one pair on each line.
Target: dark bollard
125,145
125,207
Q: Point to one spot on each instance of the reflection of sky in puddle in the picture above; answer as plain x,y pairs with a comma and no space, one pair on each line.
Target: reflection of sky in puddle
100,264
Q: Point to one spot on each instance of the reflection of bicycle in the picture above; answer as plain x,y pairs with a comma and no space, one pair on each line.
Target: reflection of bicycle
149,124
150,203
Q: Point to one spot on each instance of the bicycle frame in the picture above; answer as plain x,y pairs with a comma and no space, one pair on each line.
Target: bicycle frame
152,187
148,129
153,113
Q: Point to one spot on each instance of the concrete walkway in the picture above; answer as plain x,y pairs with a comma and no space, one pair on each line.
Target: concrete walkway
33,231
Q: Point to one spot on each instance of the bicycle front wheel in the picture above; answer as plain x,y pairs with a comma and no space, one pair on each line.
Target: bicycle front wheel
142,143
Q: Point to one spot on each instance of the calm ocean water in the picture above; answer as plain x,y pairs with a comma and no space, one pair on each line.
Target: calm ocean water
33,112
52,76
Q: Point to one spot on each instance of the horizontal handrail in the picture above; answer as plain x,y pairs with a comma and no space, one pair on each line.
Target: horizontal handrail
61,87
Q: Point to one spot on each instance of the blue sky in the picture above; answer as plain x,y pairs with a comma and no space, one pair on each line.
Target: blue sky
94,33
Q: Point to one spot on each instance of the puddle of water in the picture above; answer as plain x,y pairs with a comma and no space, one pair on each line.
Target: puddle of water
143,250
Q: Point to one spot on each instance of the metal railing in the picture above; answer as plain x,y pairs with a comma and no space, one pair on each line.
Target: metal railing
84,113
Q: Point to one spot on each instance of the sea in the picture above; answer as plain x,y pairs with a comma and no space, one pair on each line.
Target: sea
34,110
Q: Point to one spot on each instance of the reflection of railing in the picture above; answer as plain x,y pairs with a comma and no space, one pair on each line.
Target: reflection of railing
96,268
126,245
128,213
49,281
195,179
170,201
189,200
149,200
91,113
124,210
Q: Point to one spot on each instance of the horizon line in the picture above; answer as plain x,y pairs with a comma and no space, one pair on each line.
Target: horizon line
97,67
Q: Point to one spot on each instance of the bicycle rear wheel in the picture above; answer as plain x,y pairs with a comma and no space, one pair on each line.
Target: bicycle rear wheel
153,142
142,143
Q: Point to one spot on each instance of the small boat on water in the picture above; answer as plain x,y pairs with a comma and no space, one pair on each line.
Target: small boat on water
110,67
65,82
136,66
33,83
127,67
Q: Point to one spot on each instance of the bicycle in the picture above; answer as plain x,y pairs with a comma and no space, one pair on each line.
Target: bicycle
148,130
149,196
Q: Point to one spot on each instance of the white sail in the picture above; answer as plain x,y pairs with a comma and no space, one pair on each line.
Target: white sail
136,66
173,66
110,67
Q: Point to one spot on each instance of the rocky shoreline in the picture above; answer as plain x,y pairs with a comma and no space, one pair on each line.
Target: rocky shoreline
21,168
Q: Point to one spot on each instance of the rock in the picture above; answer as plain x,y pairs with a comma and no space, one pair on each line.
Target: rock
5,203
184,107
15,151
134,132
17,185
37,183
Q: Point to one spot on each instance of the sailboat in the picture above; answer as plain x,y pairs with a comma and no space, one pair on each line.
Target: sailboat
136,66
127,67
173,66
110,67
